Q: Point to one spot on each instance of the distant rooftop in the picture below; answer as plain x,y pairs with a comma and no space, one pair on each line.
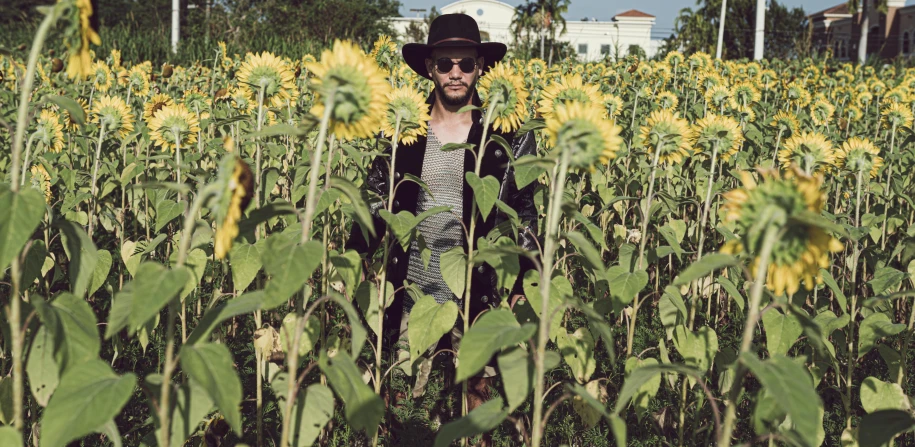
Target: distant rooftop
841,9
635,14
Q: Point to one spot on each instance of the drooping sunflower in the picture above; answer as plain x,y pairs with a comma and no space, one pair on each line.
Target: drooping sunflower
198,102
821,112
803,249
743,95
70,122
797,95
668,135
156,103
41,181
113,113
80,34
674,58
568,88
502,86
138,80
581,128
536,67
240,101
408,104
384,52
667,100
101,77
355,86
270,73
784,122
896,115
49,131
721,131
864,99
717,96
859,154
809,152
172,125
613,105
238,182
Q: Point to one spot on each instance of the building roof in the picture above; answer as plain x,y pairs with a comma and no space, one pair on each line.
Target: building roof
635,14
840,9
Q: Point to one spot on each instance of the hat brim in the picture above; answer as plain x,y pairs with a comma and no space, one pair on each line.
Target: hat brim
415,54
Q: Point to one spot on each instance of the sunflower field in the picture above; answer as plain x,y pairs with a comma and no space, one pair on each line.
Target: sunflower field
725,252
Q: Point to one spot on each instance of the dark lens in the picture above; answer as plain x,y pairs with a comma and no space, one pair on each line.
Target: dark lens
444,65
467,64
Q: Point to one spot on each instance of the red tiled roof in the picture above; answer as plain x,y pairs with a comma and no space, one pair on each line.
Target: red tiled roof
838,9
634,13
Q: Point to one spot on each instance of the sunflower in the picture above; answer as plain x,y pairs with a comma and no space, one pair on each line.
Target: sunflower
113,113
138,80
224,60
41,181
668,134
784,122
356,88
674,58
156,103
852,113
411,107
238,191
70,122
821,112
502,85
667,100
580,128
613,105
717,96
743,95
797,95
197,102
171,120
699,60
864,99
809,152
859,154
898,94
102,79
767,78
896,115
384,52
803,249
77,42
270,73
50,132
722,131
240,101
568,88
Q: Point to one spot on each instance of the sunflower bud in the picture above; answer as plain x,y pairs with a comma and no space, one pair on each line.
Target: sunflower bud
167,71
56,65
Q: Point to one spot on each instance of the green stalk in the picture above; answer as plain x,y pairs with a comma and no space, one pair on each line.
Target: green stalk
98,155
773,233
15,305
886,189
543,334
25,163
702,221
856,252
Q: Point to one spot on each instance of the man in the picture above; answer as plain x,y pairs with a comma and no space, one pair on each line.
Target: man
454,58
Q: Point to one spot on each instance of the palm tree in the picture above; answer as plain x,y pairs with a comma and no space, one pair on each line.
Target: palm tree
865,22
522,22
553,11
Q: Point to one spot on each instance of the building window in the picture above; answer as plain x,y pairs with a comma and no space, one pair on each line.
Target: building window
905,42
604,50
843,50
835,48
582,48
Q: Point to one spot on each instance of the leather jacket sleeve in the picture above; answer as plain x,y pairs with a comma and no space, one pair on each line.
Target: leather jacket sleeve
522,201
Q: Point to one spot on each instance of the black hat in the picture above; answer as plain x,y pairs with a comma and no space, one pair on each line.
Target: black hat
452,30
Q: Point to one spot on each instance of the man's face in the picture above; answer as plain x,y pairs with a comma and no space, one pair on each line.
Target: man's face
454,86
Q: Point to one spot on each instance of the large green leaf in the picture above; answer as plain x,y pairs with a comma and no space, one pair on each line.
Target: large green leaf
880,427
89,395
836,290
152,289
878,395
481,420
649,389
429,321
42,369
211,366
791,386
640,376
241,305
22,212
672,310
704,267
245,260
289,265
82,254
313,409
873,328
362,407
698,349
781,331
625,285
9,437
516,364
590,254
311,332
79,332
349,267
100,274
886,279
560,293
453,265
189,407
494,330
485,192
577,350
166,210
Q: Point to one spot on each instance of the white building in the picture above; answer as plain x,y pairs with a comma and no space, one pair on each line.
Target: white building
591,39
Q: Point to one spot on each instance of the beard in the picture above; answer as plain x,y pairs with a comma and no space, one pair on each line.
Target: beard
455,99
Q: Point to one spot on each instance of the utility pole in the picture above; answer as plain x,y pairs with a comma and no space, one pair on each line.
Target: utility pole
176,9
760,30
724,6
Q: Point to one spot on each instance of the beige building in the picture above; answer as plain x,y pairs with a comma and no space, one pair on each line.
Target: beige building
592,40
890,35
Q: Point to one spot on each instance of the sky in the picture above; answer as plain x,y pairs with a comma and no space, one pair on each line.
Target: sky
604,10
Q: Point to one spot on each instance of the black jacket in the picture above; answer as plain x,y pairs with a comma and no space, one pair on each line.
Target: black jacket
483,291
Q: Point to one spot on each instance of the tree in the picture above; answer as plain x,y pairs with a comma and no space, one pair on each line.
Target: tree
523,22
696,29
865,22
554,11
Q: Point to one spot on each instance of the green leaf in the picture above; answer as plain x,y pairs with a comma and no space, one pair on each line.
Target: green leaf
89,395
625,285
649,389
886,279
792,388
245,260
672,310
485,192
314,408
670,235
836,290
211,366
481,420
241,305
357,332
588,252
100,274
781,331
878,395
195,265
6,399
704,267
363,408
732,291
516,364
34,262
429,321
166,211
82,254
698,349
349,266
152,289
367,299
79,332
493,331
577,350
529,125
528,168
560,293
189,407
311,332
72,107
289,265
640,376
873,328
41,368
880,427
361,210
453,265
9,437
274,130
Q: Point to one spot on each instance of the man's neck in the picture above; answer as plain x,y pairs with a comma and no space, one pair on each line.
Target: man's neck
449,124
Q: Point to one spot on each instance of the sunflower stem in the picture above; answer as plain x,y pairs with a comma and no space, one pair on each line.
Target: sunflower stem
25,161
772,235
98,155
702,221
646,214
886,189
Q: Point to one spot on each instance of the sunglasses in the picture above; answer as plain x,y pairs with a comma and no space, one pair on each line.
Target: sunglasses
467,65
